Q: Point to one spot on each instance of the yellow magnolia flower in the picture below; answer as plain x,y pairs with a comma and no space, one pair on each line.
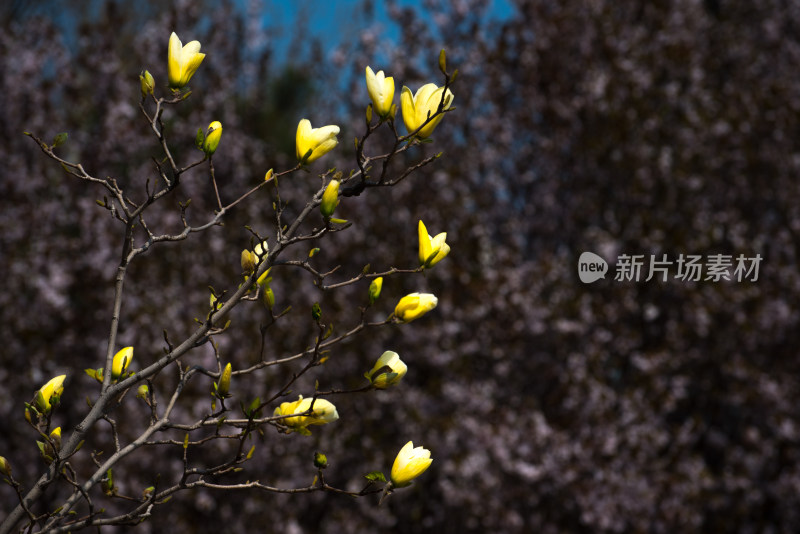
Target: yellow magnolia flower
324,412
424,103
313,143
432,250
261,250
414,306
381,91
182,61
410,463
121,361
45,395
330,199
213,135
387,371
250,260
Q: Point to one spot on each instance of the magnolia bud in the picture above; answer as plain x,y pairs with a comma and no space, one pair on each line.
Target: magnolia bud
414,305
120,362
224,381
381,91
147,83
5,467
320,460
269,297
213,135
410,463
375,289
55,437
330,199
387,371
248,261
49,394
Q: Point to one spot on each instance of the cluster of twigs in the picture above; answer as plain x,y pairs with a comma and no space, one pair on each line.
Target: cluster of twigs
81,508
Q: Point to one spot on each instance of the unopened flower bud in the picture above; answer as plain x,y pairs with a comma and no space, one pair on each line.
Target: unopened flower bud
387,371
375,289
147,83
120,362
269,297
410,463
414,306
330,199
213,135
320,460
5,467
248,261
224,381
381,90
55,437
49,393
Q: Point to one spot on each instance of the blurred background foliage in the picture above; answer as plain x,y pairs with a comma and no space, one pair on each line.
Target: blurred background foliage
549,405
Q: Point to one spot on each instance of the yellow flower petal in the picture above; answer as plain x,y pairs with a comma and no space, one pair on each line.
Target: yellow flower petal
121,361
182,61
319,141
410,463
381,91
414,306
423,104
